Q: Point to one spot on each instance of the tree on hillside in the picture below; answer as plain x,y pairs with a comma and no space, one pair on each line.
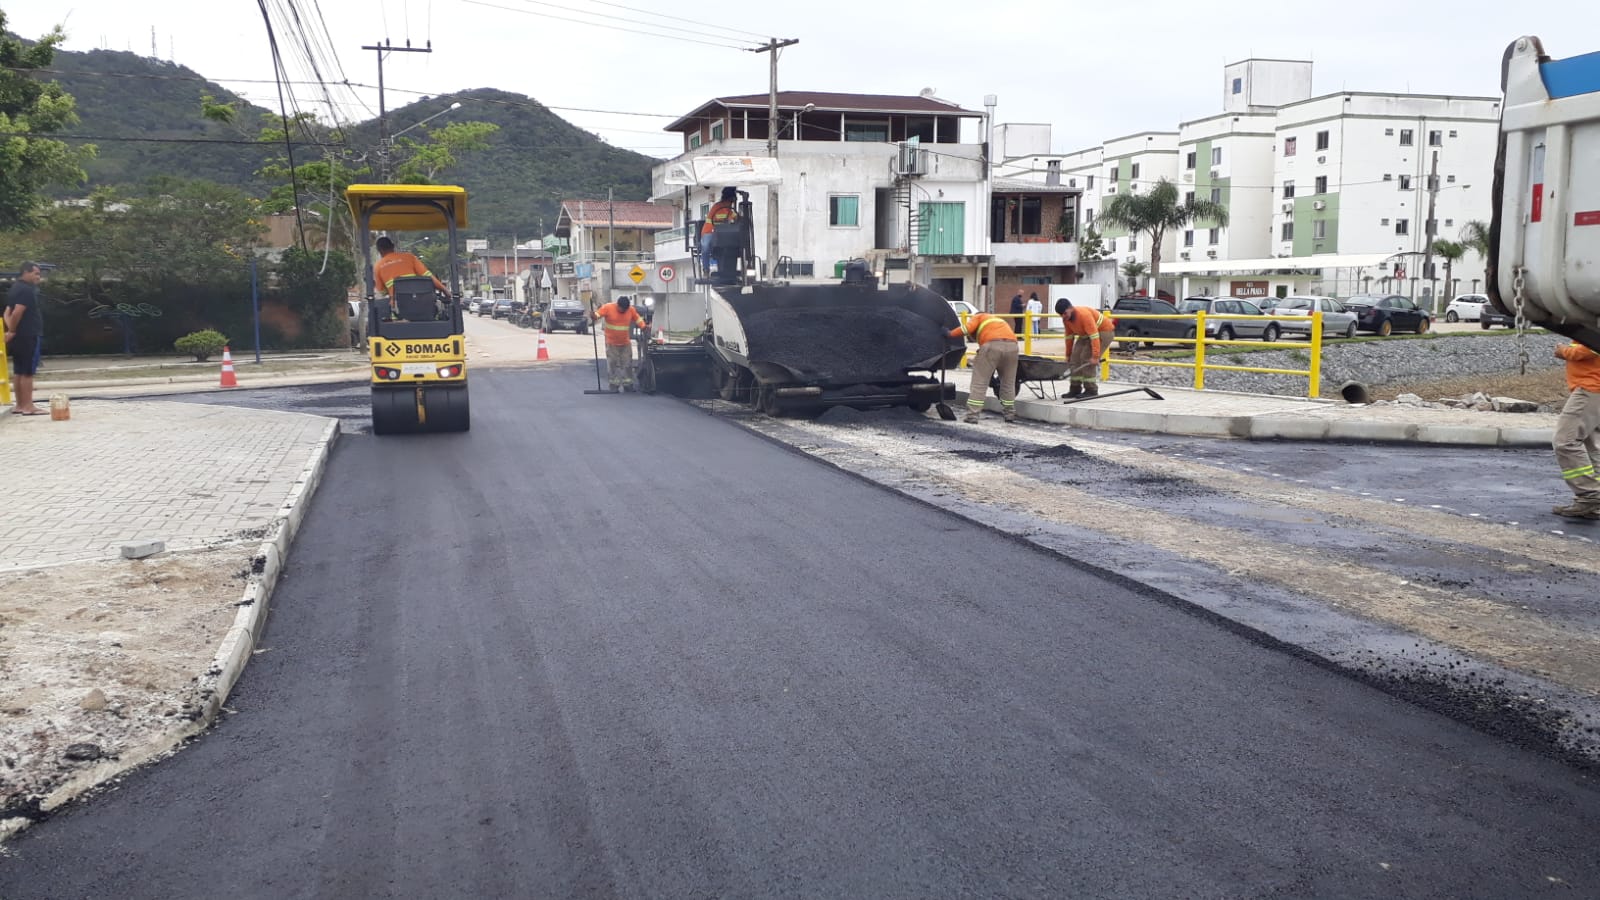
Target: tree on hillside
1449,251
29,108
1154,213
424,160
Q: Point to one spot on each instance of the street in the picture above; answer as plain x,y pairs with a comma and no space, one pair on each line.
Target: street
634,646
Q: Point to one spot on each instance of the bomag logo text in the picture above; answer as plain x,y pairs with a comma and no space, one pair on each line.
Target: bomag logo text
427,348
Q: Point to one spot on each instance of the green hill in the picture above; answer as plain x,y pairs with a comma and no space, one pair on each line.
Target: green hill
533,161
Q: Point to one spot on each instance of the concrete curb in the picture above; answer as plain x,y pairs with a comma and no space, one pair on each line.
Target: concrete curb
217,681
1277,426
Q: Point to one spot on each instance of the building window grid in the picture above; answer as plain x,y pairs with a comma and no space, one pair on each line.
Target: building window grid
1288,231
1188,238
1189,161
844,211
1407,137
1405,182
1322,185
1214,236
1288,190
717,131
1216,156
1435,139
1319,229
1290,145
1322,140
1402,226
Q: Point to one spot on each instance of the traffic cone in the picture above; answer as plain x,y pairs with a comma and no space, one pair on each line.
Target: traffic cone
228,378
661,335
544,352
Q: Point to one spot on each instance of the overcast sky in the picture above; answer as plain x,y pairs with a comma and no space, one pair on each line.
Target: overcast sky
1093,71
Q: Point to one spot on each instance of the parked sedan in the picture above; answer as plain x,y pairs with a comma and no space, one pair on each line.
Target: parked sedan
1491,317
1336,320
504,308
566,314
1223,328
1135,329
1466,308
1388,314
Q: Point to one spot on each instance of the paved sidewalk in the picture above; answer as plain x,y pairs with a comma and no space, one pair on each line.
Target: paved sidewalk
107,663
1261,417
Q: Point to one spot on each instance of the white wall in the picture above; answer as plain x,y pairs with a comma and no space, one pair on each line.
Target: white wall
1265,82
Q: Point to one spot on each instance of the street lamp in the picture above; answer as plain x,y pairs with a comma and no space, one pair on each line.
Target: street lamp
453,107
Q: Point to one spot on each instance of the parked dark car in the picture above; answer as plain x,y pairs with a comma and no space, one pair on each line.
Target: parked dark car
1135,329
1384,315
566,314
505,308
1491,317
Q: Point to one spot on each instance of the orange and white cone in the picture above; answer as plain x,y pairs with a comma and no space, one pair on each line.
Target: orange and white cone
229,379
544,352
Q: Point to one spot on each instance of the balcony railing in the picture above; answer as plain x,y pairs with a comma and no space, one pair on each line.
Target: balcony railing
672,236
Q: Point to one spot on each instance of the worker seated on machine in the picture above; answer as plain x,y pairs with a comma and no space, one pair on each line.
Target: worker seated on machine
409,285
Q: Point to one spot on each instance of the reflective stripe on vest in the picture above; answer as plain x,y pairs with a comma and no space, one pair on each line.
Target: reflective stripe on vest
987,321
611,327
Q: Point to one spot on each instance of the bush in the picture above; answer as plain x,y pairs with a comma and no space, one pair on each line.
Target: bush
201,344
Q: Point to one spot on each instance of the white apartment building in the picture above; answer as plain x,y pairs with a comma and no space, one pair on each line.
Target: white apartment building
1324,194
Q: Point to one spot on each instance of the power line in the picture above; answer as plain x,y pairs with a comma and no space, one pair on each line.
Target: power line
759,37
617,19
669,37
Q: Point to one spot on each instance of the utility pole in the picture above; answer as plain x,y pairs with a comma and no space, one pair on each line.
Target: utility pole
990,301
382,50
1428,230
772,46
611,239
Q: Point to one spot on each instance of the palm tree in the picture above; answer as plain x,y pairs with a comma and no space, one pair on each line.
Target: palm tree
1131,271
1449,251
1475,237
1156,212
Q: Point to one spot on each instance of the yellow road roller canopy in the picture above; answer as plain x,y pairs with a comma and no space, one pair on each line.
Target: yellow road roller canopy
407,207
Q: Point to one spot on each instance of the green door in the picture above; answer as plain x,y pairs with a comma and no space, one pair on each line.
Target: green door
943,229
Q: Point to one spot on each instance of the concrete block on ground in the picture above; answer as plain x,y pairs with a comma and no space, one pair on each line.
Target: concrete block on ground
1205,426
1117,419
1371,430
142,549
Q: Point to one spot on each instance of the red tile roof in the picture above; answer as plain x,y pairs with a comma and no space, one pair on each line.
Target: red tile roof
832,102
630,213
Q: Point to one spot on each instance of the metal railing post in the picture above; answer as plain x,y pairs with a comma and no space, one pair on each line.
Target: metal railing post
1314,376
1027,333
1200,351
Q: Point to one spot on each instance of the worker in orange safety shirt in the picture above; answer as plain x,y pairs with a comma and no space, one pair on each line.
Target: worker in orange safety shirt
394,264
997,352
1089,333
620,318
1577,438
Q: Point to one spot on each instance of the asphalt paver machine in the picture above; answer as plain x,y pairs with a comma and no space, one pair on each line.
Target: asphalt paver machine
416,338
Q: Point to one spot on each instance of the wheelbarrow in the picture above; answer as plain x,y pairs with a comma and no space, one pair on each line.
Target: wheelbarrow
1037,373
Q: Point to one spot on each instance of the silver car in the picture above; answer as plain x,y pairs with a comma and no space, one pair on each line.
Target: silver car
1336,320
1220,327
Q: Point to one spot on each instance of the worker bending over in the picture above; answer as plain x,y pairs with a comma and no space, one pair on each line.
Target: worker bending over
997,352
1089,333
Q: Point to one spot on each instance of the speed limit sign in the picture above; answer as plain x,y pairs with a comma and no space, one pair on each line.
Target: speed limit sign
666,273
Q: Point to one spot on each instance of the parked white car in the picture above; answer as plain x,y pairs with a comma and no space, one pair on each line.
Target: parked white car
1336,320
1466,308
962,308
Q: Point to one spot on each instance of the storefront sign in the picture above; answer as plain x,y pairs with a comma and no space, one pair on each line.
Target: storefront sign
1249,289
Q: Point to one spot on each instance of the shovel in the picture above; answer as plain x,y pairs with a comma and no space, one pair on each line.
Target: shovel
945,412
1153,395
595,340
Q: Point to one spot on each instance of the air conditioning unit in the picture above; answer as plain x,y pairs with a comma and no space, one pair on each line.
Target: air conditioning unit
912,160
1318,204
1072,182
1215,174
1211,254
1183,255
1321,160
1188,176
1288,207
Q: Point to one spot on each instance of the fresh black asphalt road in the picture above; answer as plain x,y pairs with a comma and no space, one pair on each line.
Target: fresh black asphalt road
613,646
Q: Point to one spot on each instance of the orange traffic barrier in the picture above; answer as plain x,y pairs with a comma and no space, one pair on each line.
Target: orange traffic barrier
544,352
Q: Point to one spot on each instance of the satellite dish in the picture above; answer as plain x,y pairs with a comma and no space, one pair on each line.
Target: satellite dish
927,92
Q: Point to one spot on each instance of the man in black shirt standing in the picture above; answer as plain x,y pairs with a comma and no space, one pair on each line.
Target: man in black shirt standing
24,324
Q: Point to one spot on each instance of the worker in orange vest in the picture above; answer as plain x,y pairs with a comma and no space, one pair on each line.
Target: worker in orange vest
1089,333
1577,438
997,352
721,213
620,319
394,264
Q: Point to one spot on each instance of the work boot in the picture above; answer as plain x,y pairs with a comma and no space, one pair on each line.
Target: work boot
971,418
1011,417
1090,389
1579,509
1076,390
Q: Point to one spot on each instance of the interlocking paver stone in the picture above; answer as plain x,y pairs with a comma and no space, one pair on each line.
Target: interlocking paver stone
186,474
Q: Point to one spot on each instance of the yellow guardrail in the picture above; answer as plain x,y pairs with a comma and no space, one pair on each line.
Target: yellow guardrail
5,376
1312,373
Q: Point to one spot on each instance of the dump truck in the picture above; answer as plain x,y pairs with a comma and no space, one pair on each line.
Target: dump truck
797,347
1544,240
